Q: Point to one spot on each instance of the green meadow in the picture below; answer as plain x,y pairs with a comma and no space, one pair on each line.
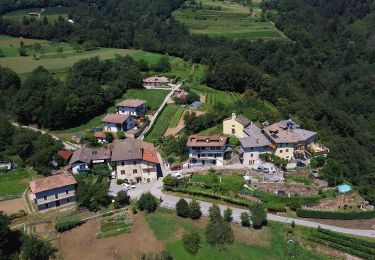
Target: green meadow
52,13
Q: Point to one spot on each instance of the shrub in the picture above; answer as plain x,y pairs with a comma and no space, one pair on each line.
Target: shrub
122,199
258,215
276,206
170,181
233,141
228,215
67,224
219,233
245,219
147,202
182,208
191,242
120,181
195,210
21,213
215,214
304,213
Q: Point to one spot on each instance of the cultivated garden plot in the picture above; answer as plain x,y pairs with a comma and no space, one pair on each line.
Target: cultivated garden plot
226,18
114,225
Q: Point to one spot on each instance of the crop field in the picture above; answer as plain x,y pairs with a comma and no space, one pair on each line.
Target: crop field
226,18
154,98
13,183
161,124
52,13
176,118
213,96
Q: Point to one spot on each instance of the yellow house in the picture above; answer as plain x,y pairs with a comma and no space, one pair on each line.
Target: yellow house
235,125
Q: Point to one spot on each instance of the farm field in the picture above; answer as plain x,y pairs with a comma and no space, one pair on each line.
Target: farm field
154,98
176,118
268,243
51,13
13,183
161,124
213,96
226,18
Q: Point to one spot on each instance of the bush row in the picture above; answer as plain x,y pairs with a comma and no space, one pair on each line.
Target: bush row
304,213
344,242
293,202
341,248
212,196
67,224
355,240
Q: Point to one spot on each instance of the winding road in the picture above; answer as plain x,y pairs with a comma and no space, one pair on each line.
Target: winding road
169,202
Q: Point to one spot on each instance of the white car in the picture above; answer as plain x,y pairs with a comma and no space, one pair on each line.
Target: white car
125,186
133,186
176,174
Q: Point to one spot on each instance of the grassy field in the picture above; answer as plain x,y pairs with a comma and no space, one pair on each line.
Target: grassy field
212,130
161,124
13,183
213,96
226,18
52,13
232,182
154,98
268,243
176,118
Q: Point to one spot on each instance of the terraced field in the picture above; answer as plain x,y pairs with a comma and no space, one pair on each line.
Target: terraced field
226,18
214,96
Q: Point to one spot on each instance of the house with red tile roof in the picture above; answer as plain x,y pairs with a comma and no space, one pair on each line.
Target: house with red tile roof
53,191
66,155
100,136
135,161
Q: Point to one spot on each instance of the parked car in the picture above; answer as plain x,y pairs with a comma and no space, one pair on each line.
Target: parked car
133,186
113,175
260,168
266,170
176,174
125,186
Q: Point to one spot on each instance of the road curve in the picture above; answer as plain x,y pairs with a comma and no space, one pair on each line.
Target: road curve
67,145
169,202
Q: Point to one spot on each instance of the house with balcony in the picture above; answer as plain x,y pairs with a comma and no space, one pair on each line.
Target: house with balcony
288,140
118,122
253,144
156,82
53,191
207,150
133,107
135,161
235,125
84,158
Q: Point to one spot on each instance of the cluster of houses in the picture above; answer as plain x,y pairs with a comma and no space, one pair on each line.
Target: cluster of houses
285,139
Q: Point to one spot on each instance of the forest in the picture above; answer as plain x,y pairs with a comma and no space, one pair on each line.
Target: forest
323,78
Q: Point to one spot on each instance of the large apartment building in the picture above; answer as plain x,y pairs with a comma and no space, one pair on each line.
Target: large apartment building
135,161
207,150
53,191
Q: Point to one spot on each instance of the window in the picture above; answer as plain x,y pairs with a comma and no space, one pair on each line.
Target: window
66,192
122,163
67,200
134,162
122,172
281,151
233,131
135,171
45,197
46,205
251,155
251,148
56,196
286,150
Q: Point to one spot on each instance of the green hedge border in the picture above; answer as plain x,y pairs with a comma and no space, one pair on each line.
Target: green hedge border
304,213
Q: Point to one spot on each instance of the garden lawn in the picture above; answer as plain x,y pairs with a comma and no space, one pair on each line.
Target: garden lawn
168,228
161,124
154,98
13,183
52,13
226,18
232,182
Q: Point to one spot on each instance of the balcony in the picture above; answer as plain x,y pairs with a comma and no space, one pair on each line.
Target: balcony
41,201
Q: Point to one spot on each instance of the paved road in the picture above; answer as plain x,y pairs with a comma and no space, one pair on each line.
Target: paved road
155,116
67,145
169,201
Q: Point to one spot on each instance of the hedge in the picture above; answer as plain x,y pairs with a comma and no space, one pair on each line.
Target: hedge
304,213
212,196
276,206
355,246
67,224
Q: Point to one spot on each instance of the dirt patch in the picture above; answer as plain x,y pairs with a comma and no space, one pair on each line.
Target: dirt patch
12,206
175,130
351,200
81,243
250,236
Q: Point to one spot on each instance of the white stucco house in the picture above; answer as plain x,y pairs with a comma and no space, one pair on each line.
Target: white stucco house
118,122
133,107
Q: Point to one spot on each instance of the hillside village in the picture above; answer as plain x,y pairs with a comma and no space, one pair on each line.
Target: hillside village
161,130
